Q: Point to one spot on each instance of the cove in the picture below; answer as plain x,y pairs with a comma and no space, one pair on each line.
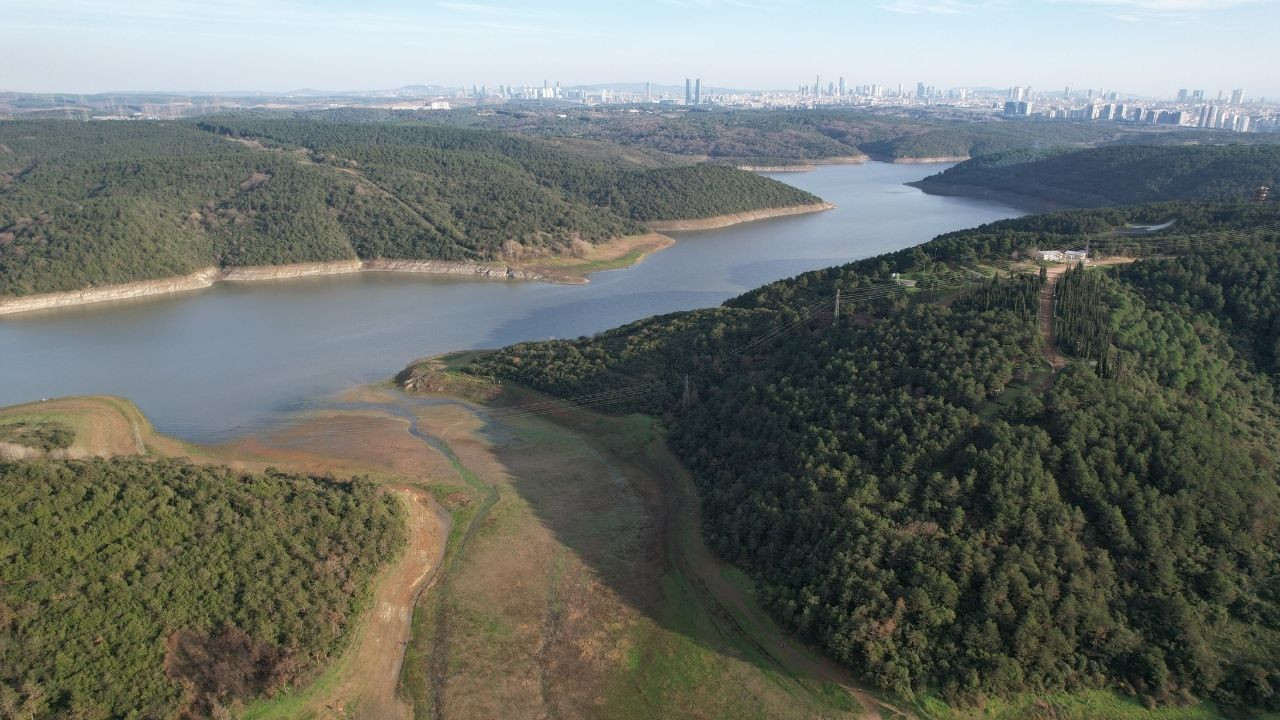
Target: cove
214,362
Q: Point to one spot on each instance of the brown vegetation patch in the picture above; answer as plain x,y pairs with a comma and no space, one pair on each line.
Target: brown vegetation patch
217,670
254,180
456,500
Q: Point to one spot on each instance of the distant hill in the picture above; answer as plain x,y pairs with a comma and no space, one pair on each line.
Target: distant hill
86,204
777,136
1115,175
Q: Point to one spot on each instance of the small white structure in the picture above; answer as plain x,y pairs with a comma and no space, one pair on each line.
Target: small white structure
1060,256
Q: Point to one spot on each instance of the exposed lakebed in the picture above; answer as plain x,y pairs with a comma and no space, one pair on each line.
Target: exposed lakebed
235,355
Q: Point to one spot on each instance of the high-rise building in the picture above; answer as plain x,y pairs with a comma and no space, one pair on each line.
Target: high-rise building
1237,96
1017,107
1066,94
1182,95
648,92
920,90
817,84
1197,95
688,91
842,86
697,91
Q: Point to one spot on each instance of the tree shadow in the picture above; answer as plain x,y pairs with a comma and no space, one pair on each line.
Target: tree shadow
609,492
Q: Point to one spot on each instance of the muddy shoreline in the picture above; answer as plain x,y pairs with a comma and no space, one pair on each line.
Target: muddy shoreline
209,276
1025,202
720,221
807,165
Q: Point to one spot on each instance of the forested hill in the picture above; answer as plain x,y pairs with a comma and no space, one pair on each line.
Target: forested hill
132,588
914,490
1116,175
85,204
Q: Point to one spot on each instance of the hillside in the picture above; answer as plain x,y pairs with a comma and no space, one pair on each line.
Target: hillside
86,204
917,493
1115,175
132,588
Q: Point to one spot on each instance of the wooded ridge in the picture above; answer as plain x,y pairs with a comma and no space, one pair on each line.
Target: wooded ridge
914,490
91,204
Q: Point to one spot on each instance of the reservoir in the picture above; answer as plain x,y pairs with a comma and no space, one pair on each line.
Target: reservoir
203,363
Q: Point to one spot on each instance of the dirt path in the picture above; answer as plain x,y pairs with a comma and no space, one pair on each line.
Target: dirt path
363,682
1047,332
370,670
1047,335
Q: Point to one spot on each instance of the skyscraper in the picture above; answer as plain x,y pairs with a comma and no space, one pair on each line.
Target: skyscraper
1237,96
842,87
817,84
697,91
688,91
920,90
1182,95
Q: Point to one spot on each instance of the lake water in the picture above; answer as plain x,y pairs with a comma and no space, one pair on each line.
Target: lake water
235,355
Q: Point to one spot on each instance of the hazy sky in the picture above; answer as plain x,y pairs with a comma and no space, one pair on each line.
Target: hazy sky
1141,46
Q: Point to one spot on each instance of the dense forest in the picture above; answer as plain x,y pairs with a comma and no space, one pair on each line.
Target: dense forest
915,490
787,136
120,579
85,204
1116,175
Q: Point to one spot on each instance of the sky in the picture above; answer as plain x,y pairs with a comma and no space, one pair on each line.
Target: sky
1144,47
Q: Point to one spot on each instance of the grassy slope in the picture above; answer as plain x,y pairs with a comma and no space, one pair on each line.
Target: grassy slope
639,639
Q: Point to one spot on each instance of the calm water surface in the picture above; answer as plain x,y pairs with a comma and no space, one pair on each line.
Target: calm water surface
238,354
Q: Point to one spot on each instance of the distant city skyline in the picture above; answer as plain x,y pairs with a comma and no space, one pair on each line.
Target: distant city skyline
1143,47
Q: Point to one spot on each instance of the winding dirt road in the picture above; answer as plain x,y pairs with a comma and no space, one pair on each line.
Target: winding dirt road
370,670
